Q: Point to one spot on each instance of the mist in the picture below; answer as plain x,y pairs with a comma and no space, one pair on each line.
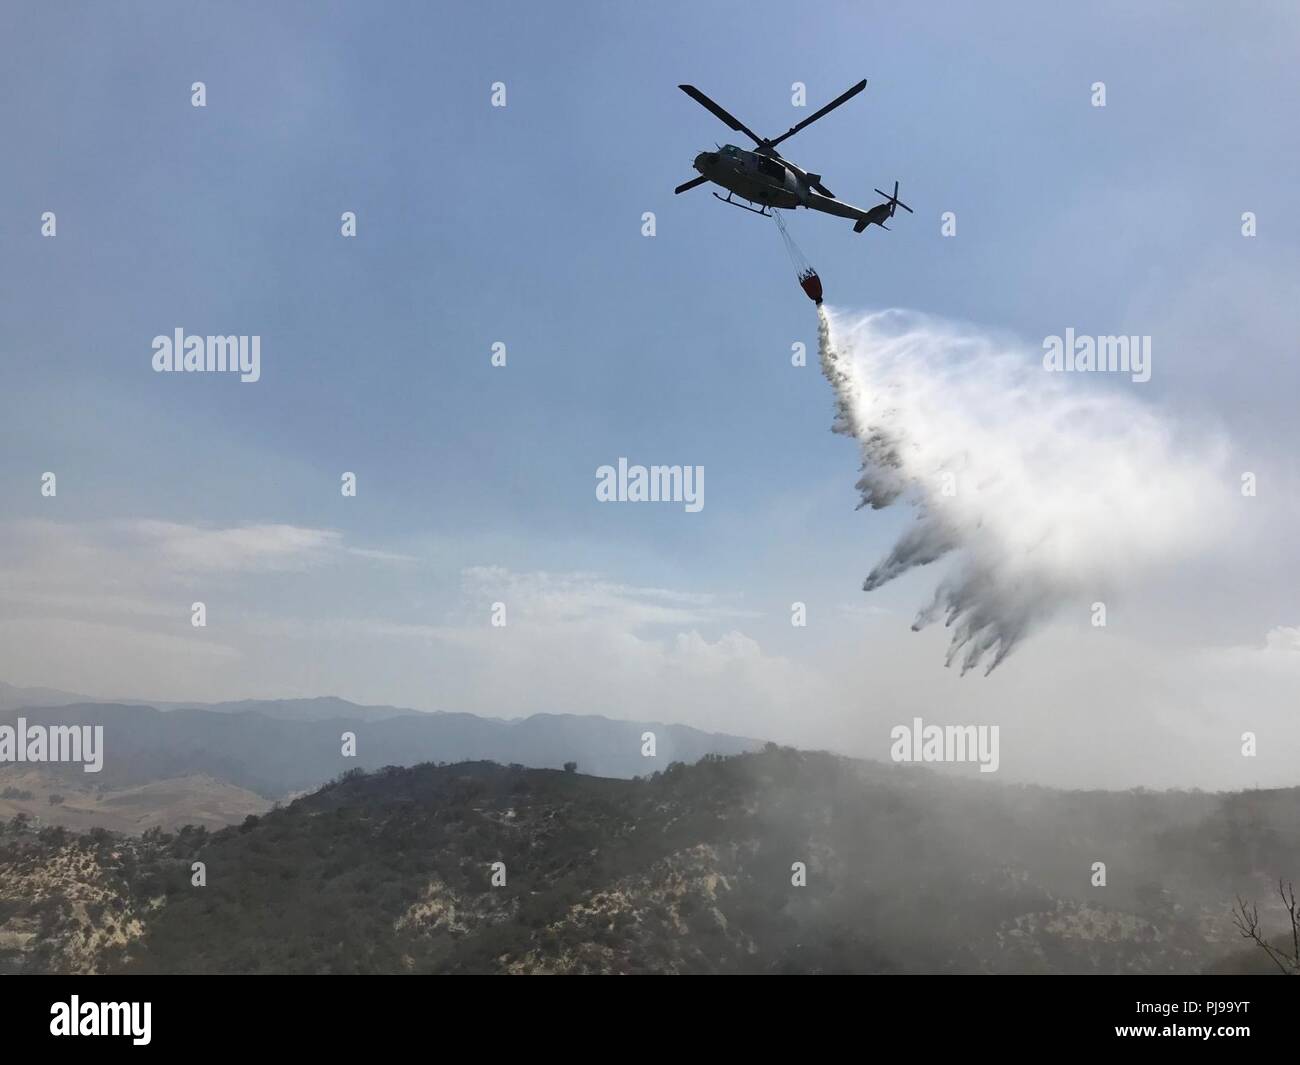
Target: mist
1046,490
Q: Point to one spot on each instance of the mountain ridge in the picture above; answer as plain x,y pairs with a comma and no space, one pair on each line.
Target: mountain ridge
768,861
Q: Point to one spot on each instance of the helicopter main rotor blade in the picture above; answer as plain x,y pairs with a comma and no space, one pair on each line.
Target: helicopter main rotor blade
819,114
726,116
687,186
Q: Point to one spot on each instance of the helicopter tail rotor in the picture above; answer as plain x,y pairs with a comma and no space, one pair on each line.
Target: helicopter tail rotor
894,202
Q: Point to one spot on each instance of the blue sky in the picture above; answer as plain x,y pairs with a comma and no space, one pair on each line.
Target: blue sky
523,225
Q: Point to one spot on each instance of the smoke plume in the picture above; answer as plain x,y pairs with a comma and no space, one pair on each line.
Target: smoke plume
1046,489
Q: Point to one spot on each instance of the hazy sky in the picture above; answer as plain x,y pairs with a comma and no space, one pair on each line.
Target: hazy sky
523,225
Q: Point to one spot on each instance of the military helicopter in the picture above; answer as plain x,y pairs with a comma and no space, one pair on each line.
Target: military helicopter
764,178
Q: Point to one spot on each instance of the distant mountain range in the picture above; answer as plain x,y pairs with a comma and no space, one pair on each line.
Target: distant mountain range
323,708
15,698
277,748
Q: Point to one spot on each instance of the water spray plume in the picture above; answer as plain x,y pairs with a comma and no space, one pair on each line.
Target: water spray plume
1044,488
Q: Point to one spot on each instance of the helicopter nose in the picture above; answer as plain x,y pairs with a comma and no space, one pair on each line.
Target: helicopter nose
705,160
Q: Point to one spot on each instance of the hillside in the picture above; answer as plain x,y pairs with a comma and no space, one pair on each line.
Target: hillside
688,871
79,802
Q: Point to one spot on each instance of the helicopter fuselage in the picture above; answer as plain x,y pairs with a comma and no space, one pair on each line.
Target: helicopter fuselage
771,181
755,177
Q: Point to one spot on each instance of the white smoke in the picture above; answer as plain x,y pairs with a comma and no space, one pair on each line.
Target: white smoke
1046,488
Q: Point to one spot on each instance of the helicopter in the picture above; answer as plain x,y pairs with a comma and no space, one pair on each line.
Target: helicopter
763,177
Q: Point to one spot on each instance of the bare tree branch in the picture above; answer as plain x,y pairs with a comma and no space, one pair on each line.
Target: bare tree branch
1246,918
1290,905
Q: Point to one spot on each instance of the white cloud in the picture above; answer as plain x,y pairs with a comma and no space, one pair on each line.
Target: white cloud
1284,638
579,643
548,598
192,548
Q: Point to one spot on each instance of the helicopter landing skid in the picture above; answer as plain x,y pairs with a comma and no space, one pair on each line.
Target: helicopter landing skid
752,210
